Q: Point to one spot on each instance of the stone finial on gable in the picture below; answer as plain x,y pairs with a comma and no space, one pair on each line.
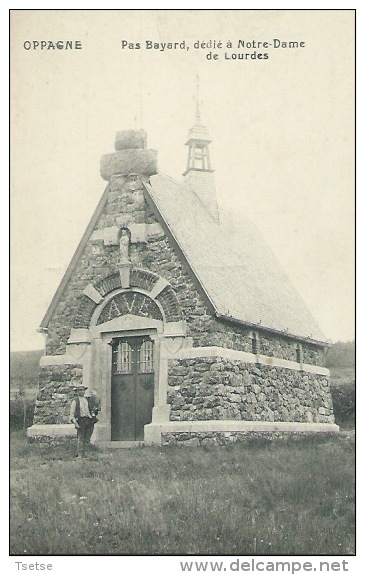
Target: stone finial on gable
130,157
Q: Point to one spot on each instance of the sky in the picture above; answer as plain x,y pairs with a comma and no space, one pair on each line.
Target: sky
282,138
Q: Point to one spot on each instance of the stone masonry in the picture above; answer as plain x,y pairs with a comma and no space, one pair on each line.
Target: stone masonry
208,439
218,388
55,393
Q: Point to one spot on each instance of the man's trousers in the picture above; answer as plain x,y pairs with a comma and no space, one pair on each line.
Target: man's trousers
84,434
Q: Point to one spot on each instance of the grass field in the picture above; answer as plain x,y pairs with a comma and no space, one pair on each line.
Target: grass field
280,498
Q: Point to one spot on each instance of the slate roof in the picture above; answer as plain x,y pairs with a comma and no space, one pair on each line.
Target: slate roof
242,279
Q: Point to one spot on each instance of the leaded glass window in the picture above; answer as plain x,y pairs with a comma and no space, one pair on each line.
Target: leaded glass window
122,358
146,357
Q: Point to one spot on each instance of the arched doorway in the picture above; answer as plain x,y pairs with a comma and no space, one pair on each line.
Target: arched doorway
126,330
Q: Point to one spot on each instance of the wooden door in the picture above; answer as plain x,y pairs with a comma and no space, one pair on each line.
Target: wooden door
132,387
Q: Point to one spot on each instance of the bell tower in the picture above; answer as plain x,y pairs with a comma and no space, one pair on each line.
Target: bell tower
198,174
198,142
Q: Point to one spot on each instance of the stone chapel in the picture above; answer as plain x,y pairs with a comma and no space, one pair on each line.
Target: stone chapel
187,336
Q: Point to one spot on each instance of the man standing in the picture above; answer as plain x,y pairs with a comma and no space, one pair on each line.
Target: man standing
83,418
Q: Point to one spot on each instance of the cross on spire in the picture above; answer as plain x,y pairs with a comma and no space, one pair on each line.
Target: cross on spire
197,103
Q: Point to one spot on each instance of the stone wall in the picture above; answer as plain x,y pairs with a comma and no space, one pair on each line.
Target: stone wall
68,441
212,438
126,205
218,388
56,383
210,331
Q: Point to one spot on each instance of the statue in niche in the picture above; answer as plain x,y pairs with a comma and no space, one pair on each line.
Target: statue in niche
124,247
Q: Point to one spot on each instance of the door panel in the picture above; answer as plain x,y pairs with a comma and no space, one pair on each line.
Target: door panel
132,389
122,415
145,396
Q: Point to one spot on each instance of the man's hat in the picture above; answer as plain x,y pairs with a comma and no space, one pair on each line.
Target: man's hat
77,387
